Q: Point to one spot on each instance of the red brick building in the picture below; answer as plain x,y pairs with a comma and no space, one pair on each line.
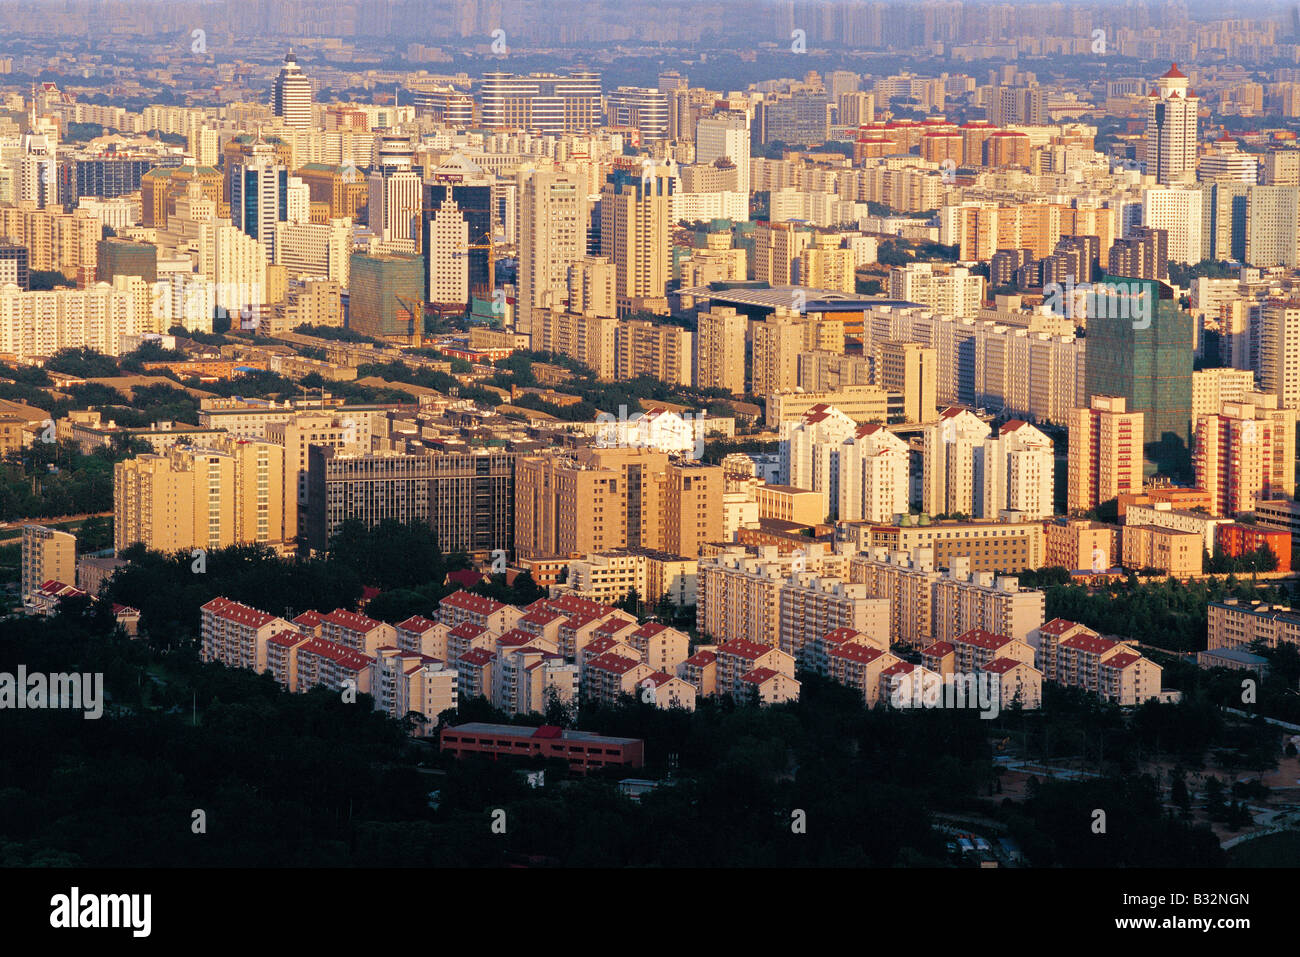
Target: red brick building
582,749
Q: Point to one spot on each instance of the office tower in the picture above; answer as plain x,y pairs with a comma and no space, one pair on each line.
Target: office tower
542,102
873,480
670,80
445,105
14,262
106,175
385,295
47,555
1015,473
1176,212
308,249
123,257
1226,164
1279,351
162,186
467,498
644,109
259,197
335,191
1170,144
911,369
291,95
1246,452
457,235
1144,254
635,234
1140,348
1105,452
725,135
1273,226
229,491
796,119
720,350
552,236
394,195
1223,223
948,481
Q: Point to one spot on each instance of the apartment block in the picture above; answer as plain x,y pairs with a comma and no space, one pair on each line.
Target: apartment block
1237,624
1105,453
236,635
1074,655
47,555
812,607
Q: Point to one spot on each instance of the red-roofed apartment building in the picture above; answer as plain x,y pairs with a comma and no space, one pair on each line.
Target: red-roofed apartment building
739,657
357,632
464,606
1075,655
236,635
608,677
860,666
423,636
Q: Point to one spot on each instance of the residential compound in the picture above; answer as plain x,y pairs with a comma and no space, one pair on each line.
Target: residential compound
830,363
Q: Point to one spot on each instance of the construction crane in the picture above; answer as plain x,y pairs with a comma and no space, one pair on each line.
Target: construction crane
415,310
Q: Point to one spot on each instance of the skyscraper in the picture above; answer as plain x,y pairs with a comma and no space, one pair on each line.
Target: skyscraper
1104,458
552,235
542,102
1171,129
726,134
259,197
1139,347
635,233
291,95
395,195
457,235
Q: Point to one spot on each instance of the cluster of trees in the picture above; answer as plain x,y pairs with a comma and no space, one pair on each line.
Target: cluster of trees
1261,559
50,479
1169,613
333,333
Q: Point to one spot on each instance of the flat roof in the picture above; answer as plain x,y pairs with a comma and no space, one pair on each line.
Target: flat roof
524,731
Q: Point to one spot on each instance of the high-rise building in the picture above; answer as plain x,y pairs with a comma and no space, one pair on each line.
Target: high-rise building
1170,144
1273,226
1140,348
386,294
873,478
644,109
394,195
467,498
1105,453
1016,473
47,555
1143,254
720,350
1246,452
259,197
542,102
1279,351
663,352
230,491
291,95
910,368
457,235
635,234
552,236
725,135
1226,164
949,462
14,262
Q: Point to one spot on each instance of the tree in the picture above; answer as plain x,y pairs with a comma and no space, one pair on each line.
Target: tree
631,602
